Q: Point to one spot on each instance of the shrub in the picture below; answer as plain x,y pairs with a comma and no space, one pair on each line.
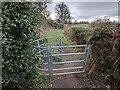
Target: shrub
19,67
105,40
76,35
106,53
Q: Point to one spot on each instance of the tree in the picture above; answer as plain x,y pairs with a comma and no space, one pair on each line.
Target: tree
62,13
19,66
102,20
40,5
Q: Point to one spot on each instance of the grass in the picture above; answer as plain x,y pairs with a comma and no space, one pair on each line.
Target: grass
58,59
80,25
56,33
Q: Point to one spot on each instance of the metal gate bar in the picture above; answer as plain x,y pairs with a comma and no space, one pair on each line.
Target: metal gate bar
49,56
57,74
66,62
63,68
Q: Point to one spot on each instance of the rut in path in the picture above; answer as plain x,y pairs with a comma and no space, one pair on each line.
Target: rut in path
71,80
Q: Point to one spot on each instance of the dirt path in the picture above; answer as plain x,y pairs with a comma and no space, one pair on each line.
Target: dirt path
71,80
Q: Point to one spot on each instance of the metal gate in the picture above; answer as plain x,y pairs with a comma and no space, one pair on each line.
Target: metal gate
43,50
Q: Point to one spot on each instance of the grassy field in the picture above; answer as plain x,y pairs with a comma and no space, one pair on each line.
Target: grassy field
79,25
56,33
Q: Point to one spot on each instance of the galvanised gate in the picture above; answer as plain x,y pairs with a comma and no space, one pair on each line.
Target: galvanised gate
44,50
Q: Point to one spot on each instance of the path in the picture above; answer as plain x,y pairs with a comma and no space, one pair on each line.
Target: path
71,80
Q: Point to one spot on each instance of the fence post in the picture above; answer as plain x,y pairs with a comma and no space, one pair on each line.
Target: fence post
87,56
49,57
60,47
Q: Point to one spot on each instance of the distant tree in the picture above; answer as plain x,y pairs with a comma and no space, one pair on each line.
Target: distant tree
62,13
75,21
102,20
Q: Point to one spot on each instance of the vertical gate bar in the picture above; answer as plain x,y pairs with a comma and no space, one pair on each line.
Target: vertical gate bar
49,61
60,47
87,56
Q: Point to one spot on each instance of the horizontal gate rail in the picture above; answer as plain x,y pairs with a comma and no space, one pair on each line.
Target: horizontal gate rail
57,74
70,46
45,50
43,45
74,61
68,68
42,39
63,68
65,54
68,73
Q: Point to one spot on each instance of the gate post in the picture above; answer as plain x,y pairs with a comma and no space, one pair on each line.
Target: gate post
87,56
60,47
49,57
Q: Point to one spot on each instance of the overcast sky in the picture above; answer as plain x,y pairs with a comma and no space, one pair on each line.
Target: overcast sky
88,11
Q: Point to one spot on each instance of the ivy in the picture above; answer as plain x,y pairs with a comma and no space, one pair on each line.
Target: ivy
19,67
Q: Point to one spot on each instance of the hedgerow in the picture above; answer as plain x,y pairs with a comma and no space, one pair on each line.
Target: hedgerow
19,66
105,41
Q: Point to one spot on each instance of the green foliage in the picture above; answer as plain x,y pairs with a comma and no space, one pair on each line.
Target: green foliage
58,59
78,34
106,54
56,25
105,42
19,67
59,26
56,33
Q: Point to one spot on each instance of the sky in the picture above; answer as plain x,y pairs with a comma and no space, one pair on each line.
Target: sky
88,11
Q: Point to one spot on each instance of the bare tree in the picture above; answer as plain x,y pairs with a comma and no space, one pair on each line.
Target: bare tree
62,13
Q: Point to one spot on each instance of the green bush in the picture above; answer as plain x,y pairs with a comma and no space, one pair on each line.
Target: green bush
19,65
106,54
56,25
105,41
78,35
60,26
